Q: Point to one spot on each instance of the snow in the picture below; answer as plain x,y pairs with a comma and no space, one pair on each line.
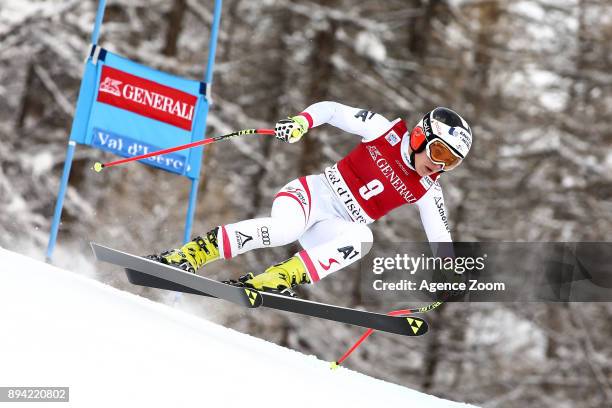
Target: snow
113,348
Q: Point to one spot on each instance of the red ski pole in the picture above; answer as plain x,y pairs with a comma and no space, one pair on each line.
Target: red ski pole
99,166
364,336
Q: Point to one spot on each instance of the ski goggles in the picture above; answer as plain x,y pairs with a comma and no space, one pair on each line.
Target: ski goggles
437,150
440,153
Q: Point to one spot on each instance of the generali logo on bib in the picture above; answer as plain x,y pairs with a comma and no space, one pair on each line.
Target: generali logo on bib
146,98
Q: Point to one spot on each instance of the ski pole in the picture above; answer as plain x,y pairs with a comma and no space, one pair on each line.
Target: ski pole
364,336
99,166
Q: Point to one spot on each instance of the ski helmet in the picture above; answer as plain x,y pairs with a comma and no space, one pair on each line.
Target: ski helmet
445,125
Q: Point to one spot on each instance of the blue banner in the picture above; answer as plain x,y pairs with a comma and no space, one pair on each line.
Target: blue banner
129,109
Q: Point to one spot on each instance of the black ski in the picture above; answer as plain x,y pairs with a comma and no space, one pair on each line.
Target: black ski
181,279
145,272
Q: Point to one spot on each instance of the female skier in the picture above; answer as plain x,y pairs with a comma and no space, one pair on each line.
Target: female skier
328,213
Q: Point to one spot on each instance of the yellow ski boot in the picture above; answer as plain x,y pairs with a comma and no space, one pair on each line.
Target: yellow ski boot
194,254
279,278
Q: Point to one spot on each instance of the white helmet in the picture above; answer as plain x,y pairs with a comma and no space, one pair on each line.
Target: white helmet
443,124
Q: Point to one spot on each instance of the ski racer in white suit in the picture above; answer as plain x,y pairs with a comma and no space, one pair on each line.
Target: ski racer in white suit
329,213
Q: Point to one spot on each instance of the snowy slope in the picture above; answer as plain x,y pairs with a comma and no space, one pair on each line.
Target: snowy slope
113,348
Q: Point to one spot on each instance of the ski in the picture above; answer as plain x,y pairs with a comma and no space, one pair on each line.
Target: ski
145,272
181,279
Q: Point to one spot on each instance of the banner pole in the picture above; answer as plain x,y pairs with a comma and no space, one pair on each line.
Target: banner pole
208,76
60,200
95,35
59,204
212,47
191,210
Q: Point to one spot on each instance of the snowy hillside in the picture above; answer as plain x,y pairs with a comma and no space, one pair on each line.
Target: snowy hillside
113,348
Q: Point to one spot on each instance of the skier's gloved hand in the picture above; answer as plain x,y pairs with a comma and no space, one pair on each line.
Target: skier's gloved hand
292,129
